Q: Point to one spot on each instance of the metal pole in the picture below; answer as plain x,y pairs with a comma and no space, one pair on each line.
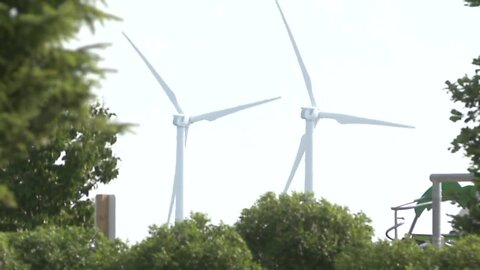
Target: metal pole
437,180
309,155
436,210
310,115
396,225
180,157
452,177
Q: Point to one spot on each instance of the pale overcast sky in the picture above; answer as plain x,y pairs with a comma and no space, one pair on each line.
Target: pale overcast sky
379,59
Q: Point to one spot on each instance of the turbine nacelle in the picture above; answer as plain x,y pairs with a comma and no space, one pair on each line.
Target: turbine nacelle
310,113
181,120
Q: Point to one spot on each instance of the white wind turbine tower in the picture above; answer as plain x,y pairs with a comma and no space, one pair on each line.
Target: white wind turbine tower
182,122
311,115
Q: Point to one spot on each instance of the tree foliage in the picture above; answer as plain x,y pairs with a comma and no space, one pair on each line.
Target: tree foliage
466,91
191,244
463,254
396,255
468,223
472,3
406,254
299,232
41,79
52,183
59,248
8,257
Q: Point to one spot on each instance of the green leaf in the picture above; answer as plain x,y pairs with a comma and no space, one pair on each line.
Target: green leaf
455,115
6,197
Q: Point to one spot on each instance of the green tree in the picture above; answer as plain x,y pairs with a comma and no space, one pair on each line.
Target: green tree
8,257
473,3
299,232
52,183
386,255
41,79
193,244
463,254
466,91
408,255
57,248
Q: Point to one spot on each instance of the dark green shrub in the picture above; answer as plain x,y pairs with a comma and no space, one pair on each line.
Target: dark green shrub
8,256
191,244
464,254
70,248
406,254
385,255
299,232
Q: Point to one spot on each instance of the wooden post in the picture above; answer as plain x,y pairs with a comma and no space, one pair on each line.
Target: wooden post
105,214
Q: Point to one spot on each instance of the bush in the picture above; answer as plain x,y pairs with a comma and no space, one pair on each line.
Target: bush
56,248
406,254
299,232
396,255
464,254
8,257
191,244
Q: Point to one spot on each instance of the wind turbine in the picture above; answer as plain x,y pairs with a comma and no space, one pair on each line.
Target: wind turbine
182,122
312,115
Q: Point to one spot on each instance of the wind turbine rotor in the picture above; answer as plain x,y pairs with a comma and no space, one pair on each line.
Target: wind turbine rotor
350,119
306,77
157,76
211,116
182,122
311,115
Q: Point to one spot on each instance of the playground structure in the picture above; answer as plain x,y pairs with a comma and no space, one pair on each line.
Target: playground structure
445,187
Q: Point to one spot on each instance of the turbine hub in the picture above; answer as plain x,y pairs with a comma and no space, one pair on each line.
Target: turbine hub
181,120
310,113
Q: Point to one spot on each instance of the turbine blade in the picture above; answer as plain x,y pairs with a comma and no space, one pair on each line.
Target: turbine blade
157,76
350,119
306,77
298,158
172,200
217,114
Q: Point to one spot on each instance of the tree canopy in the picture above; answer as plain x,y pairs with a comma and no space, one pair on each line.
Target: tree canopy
52,183
473,3
299,232
42,82
406,254
465,93
57,248
191,244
